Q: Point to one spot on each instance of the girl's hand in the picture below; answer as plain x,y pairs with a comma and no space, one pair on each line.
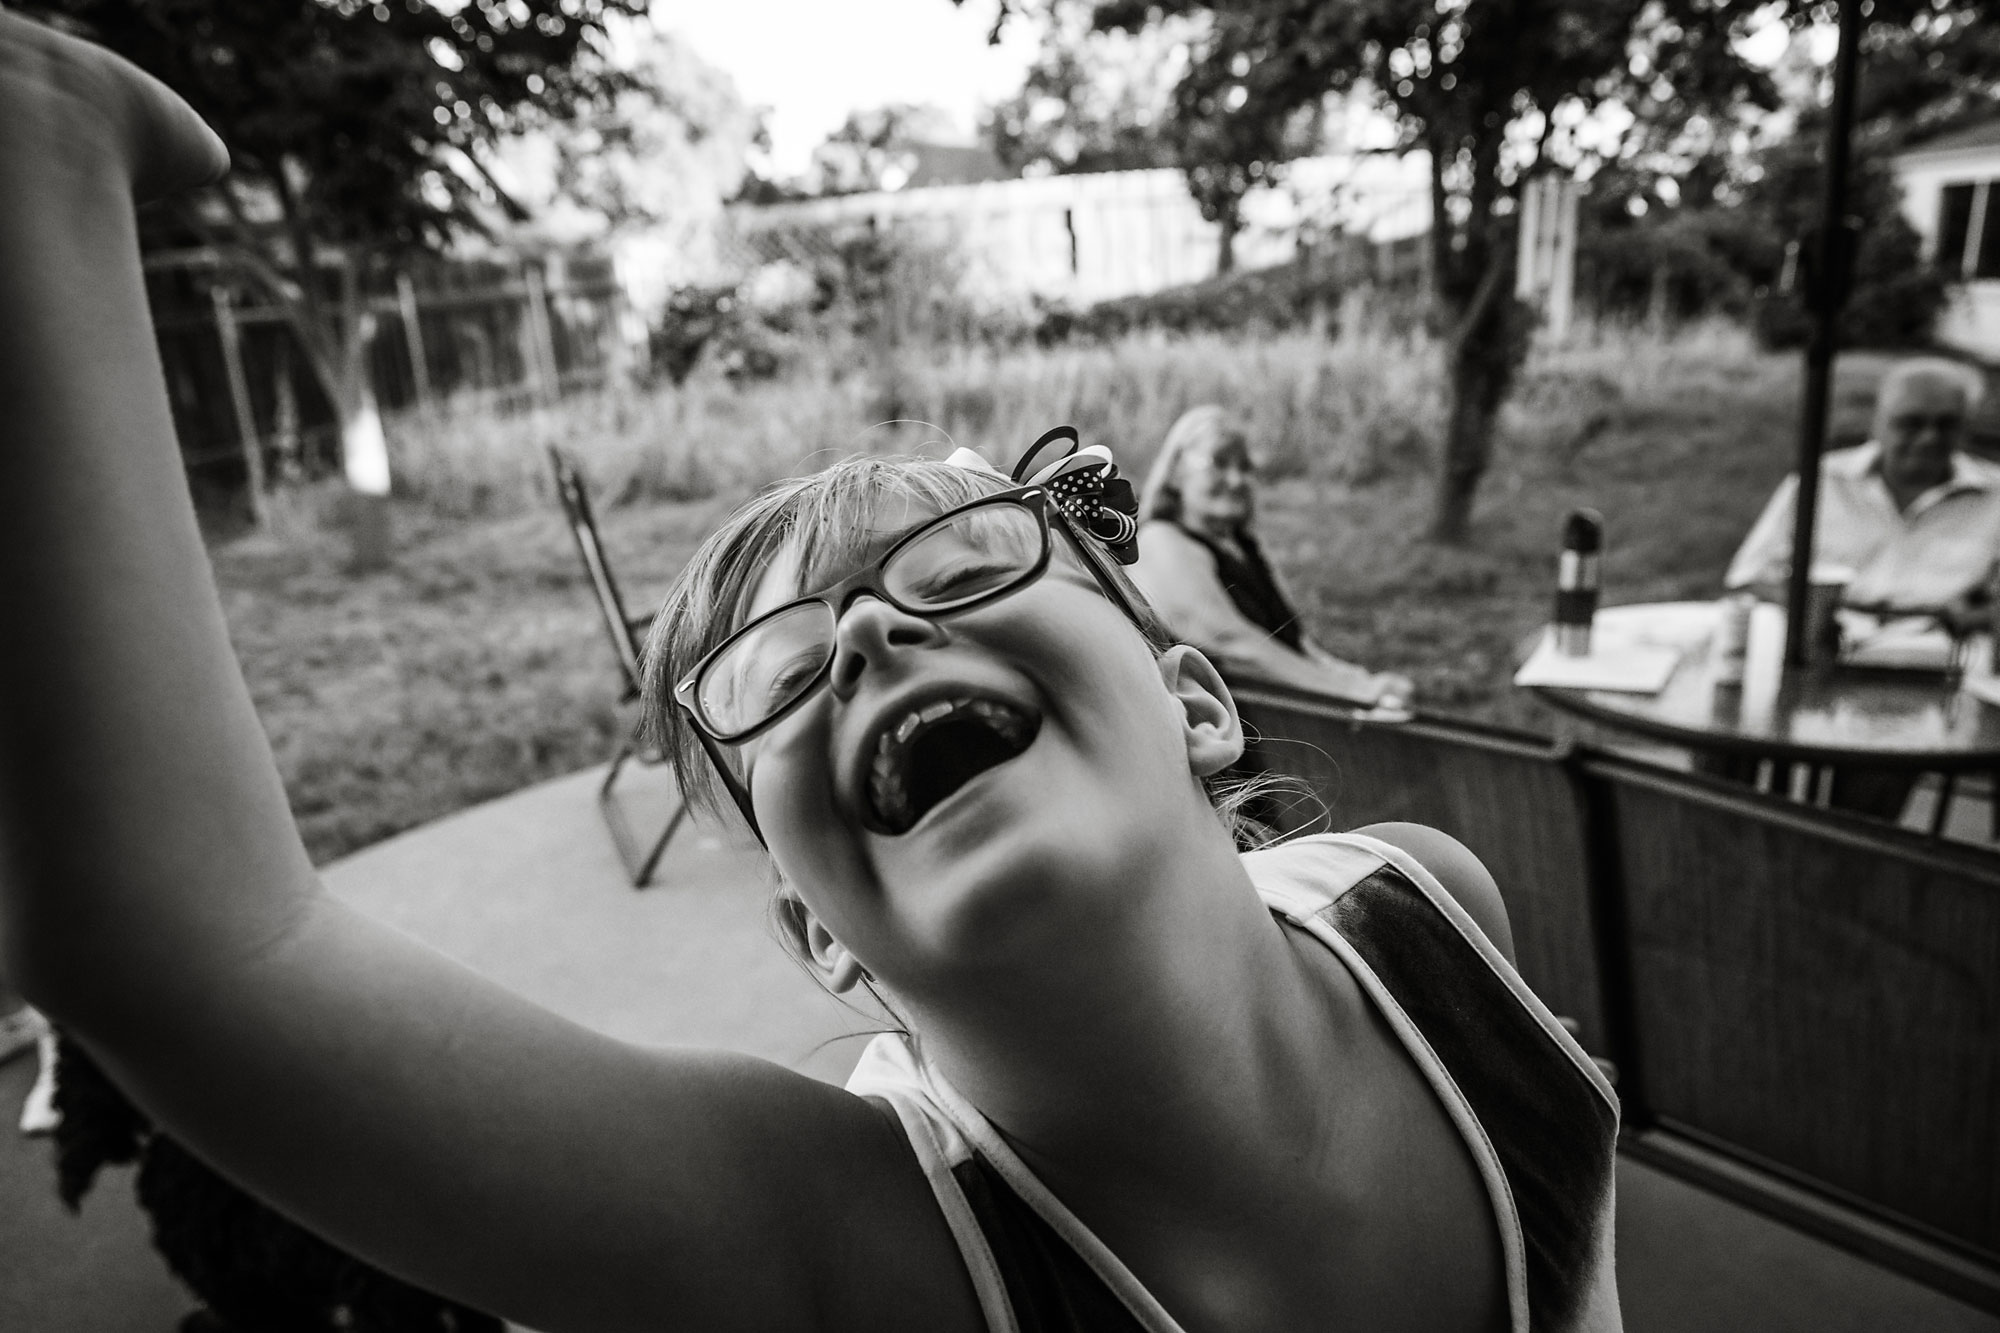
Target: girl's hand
70,107
1392,689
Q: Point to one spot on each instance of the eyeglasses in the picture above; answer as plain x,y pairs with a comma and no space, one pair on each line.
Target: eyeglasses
962,559
1944,423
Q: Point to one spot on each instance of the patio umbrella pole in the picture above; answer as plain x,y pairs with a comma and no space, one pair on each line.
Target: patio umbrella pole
1829,292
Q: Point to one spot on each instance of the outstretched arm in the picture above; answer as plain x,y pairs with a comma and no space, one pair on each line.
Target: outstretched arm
158,901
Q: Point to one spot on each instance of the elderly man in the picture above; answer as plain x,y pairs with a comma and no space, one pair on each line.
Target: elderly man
1915,518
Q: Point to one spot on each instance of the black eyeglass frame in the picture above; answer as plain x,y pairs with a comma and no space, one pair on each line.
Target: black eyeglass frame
839,596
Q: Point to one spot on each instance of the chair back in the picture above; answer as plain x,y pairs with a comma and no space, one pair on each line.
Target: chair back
1813,991
618,626
1508,796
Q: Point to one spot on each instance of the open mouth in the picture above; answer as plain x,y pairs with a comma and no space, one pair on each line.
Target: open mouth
933,750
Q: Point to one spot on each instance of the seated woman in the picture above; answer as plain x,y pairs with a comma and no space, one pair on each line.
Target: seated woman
1202,569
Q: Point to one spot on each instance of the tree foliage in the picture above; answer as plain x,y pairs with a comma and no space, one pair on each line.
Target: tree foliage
668,147
354,129
1091,101
871,149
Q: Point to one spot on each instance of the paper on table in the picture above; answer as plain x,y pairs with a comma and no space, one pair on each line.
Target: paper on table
1908,643
1628,668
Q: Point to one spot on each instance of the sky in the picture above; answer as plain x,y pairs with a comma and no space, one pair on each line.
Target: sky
813,61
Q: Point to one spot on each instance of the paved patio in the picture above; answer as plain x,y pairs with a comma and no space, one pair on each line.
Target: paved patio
527,890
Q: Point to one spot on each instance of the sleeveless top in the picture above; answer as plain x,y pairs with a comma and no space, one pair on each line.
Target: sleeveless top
1251,585
1535,1113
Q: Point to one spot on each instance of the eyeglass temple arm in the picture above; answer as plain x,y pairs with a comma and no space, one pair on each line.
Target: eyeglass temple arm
737,793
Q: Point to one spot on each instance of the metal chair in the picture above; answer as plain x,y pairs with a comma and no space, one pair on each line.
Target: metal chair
627,634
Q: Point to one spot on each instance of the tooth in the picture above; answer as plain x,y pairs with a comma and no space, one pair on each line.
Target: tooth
936,710
908,727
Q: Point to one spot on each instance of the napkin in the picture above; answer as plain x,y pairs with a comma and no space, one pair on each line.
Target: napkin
1628,668
1909,643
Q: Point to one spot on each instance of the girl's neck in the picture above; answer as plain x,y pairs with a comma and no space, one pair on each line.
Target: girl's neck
1194,1044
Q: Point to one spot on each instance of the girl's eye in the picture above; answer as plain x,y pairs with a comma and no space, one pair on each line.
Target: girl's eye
789,677
963,580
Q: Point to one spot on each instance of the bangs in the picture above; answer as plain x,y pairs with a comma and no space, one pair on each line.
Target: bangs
839,528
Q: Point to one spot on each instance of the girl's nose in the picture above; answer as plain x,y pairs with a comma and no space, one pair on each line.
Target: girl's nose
869,632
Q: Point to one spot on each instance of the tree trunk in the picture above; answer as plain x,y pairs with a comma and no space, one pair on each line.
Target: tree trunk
1227,226
1484,329
1478,383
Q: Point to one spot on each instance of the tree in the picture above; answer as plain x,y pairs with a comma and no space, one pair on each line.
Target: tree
1492,90
668,147
871,149
1927,66
1091,101
355,130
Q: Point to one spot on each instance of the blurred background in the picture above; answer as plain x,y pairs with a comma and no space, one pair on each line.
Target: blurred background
1458,269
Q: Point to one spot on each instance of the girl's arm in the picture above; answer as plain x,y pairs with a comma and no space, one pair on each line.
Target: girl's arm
159,904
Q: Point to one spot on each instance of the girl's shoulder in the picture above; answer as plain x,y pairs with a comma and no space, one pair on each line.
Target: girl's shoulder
1305,875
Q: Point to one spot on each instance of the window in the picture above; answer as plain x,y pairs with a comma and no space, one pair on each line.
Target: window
1954,222
1969,230
1986,259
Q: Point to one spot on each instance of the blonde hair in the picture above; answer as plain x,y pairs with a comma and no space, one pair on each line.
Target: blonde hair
1208,426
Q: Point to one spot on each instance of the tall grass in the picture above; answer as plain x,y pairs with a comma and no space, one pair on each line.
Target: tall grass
1361,408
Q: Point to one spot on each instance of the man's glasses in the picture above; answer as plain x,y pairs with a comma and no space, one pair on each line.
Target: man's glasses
1944,423
962,559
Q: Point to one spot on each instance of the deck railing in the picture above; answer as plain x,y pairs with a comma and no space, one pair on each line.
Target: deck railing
1804,1007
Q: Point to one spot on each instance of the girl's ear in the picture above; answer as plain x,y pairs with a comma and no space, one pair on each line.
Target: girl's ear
1213,732
837,969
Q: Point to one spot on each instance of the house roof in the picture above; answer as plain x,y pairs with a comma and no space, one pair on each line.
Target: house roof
953,164
1979,134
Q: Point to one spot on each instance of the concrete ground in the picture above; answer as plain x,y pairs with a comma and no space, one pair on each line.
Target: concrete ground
528,890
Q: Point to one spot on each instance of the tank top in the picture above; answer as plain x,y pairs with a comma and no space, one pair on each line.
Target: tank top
1246,576
1535,1113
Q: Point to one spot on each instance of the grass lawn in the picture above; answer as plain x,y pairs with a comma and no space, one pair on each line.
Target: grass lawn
476,665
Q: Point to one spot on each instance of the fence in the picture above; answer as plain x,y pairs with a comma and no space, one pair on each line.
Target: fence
248,407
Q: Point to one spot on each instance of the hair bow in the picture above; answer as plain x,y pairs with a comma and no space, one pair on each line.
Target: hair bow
1084,483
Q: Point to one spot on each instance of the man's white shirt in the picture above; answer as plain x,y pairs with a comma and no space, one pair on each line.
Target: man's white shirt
1943,546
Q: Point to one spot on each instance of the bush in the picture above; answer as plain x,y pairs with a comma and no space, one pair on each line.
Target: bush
1305,293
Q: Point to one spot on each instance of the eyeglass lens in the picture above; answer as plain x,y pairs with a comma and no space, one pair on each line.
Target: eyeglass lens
960,559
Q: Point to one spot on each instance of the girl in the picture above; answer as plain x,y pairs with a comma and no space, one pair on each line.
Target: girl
1151,1084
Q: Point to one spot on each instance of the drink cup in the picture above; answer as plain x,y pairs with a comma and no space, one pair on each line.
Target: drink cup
1824,593
1732,638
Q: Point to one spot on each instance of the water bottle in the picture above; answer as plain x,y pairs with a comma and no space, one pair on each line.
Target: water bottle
1576,581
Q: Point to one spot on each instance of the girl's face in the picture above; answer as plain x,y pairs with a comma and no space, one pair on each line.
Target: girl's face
962,788
1216,482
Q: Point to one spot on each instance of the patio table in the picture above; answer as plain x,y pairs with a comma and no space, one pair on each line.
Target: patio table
1836,714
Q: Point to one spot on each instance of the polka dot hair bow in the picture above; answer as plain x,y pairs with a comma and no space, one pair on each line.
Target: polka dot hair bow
1084,483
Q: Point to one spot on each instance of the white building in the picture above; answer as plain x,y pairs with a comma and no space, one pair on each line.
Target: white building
1121,233
1951,194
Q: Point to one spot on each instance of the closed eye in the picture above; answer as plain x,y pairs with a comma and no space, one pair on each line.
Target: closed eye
963,580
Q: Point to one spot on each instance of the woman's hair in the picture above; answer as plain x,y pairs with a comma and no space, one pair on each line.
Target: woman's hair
1208,426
